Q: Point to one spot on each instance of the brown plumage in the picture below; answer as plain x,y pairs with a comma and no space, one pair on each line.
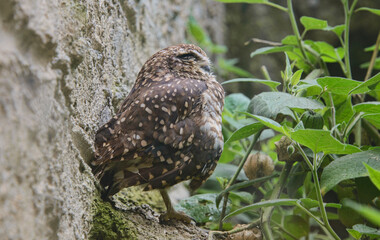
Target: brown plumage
167,130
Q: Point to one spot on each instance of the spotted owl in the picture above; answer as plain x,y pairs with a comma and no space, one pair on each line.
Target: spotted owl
168,129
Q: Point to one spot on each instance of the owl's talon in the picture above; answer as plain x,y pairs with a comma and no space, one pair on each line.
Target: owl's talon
173,215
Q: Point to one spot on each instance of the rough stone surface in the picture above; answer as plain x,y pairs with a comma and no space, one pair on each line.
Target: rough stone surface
64,68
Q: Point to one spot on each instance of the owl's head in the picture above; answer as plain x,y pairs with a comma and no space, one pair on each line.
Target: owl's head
183,60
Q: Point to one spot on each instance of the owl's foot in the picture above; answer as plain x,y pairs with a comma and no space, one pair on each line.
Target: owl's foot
173,215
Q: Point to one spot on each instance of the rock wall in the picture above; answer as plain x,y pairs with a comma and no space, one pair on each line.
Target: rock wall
64,68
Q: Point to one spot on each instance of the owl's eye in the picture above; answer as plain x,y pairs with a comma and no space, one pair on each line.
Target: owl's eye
188,56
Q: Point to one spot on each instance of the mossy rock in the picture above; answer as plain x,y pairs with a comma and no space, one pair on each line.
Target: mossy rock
109,223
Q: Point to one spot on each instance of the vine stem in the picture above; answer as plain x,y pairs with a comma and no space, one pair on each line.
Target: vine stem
265,219
225,198
320,199
295,29
348,11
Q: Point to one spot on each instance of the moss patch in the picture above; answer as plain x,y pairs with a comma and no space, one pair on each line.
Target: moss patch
135,196
108,223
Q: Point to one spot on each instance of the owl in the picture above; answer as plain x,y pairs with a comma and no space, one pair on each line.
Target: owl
167,130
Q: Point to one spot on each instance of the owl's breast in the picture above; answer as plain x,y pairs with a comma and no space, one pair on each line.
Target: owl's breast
211,119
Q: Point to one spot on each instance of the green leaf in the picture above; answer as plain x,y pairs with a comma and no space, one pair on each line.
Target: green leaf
367,86
328,53
227,171
375,66
344,110
201,207
270,104
269,83
269,123
368,107
269,203
309,87
373,118
311,203
242,196
296,225
337,85
222,181
243,185
229,66
311,23
372,10
338,29
349,167
296,56
197,31
290,40
363,229
294,80
354,233
229,152
200,35
288,68
322,141
266,50
296,178
236,102
371,48
374,175
245,131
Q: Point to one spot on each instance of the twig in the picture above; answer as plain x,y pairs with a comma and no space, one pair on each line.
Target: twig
348,13
258,40
265,72
235,230
373,58
265,219
320,199
295,29
255,138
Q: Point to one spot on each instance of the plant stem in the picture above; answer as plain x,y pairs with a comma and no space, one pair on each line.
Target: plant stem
348,13
320,199
281,228
310,214
332,113
304,156
265,72
265,219
295,29
255,138
373,58
372,131
358,133
350,125
276,6
223,213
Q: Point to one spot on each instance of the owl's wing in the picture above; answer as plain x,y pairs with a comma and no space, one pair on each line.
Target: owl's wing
156,119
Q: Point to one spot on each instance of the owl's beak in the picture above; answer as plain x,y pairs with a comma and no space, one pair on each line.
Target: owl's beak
205,65
206,68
